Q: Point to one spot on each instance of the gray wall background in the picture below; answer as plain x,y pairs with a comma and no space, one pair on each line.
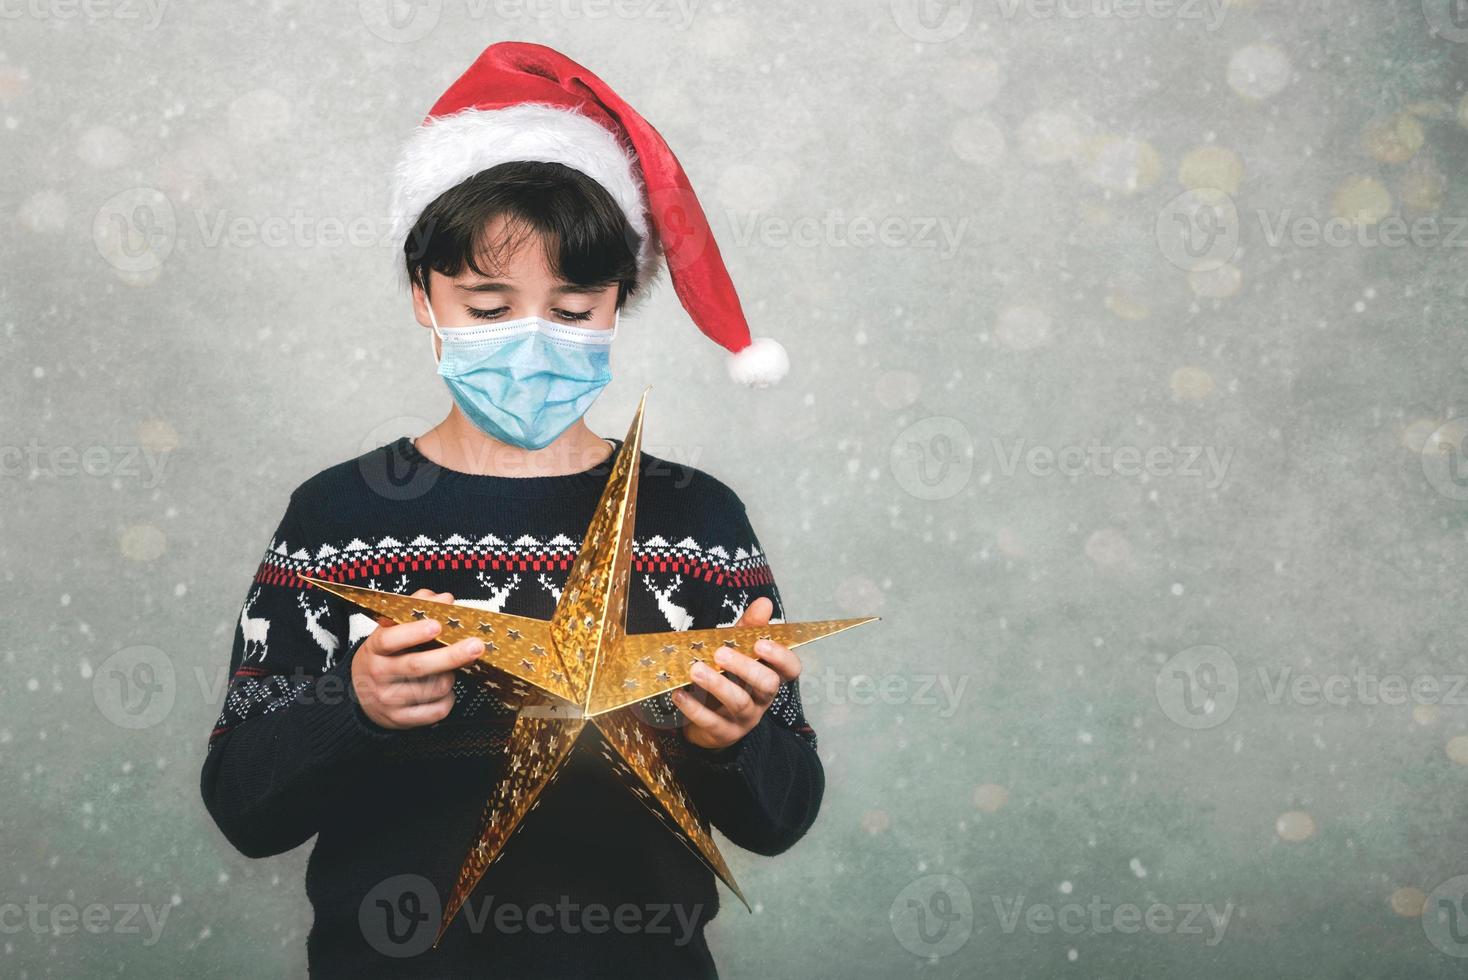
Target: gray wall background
1127,345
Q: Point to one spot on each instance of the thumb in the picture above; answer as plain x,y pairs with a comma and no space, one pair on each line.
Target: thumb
757,613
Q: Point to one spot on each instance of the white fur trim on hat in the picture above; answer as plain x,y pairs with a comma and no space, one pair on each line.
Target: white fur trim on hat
761,364
447,150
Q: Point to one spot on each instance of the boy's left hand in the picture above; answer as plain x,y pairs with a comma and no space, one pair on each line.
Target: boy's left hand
738,698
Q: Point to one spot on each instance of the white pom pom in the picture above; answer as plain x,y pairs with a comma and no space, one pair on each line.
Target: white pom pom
760,364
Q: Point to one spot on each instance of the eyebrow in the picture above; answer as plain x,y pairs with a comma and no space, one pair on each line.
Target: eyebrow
565,289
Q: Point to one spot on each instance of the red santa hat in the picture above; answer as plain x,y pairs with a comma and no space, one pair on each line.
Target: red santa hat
528,102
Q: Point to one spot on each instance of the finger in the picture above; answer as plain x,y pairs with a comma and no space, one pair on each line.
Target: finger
757,613
782,659
420,594
759,680
706,719
417,715
444,660
403,636
730,694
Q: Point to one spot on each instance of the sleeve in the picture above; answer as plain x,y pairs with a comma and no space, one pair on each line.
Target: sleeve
764,791
290,727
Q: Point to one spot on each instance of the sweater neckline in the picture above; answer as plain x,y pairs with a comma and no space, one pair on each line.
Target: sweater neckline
589,480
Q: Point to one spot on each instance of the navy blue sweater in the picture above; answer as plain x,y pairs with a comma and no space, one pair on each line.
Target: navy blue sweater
592,884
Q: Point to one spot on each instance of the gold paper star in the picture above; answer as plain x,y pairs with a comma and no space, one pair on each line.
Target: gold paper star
582,666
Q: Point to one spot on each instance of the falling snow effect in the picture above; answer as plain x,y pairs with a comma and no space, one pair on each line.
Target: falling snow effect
1128,384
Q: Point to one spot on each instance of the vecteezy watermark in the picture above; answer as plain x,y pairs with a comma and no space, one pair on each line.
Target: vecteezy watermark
1097,917
936,21
1199,230
1361,687
1445,917
1198,462
34,460
400,917
1448,19
135,687
405,21
1208,12
835,230
1391,231
678,13
829,686
221,229
136,230
933,917
147,13
932,21
1443,455
138,686
1200,687
43,918
932,458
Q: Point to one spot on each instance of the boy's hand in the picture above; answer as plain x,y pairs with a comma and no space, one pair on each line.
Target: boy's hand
740,697
400,686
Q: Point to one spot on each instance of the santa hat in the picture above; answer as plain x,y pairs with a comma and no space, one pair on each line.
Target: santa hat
528,102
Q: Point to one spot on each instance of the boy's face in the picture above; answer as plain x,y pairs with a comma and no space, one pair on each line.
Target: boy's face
523,286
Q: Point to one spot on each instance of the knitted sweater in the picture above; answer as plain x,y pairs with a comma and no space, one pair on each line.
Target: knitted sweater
592,884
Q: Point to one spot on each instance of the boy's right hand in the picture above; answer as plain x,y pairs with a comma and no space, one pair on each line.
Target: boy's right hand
401,686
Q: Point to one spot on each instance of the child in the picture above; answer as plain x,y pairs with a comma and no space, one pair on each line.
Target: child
532,205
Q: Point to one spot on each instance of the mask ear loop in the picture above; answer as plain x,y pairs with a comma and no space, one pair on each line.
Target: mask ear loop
434,333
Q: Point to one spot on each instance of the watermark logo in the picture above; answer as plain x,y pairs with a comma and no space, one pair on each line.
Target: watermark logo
135,687
42,918
933,917
148,13
830,686
1448,19
1198,462
1443,460
135,231
835,230
1445,917
933,458
400,21
1199,687
399,917
1098,918
1198,231
932,21
684,231
391,474
1362,687
35,460
1208,12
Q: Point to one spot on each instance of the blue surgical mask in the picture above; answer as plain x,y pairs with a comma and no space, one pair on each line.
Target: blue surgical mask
524,381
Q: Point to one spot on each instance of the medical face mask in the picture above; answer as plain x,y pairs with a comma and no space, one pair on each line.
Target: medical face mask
524,381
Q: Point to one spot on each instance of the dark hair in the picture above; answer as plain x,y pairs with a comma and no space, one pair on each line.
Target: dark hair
586,236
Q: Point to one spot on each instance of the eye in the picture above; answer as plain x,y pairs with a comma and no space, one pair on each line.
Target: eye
570,317
493,314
